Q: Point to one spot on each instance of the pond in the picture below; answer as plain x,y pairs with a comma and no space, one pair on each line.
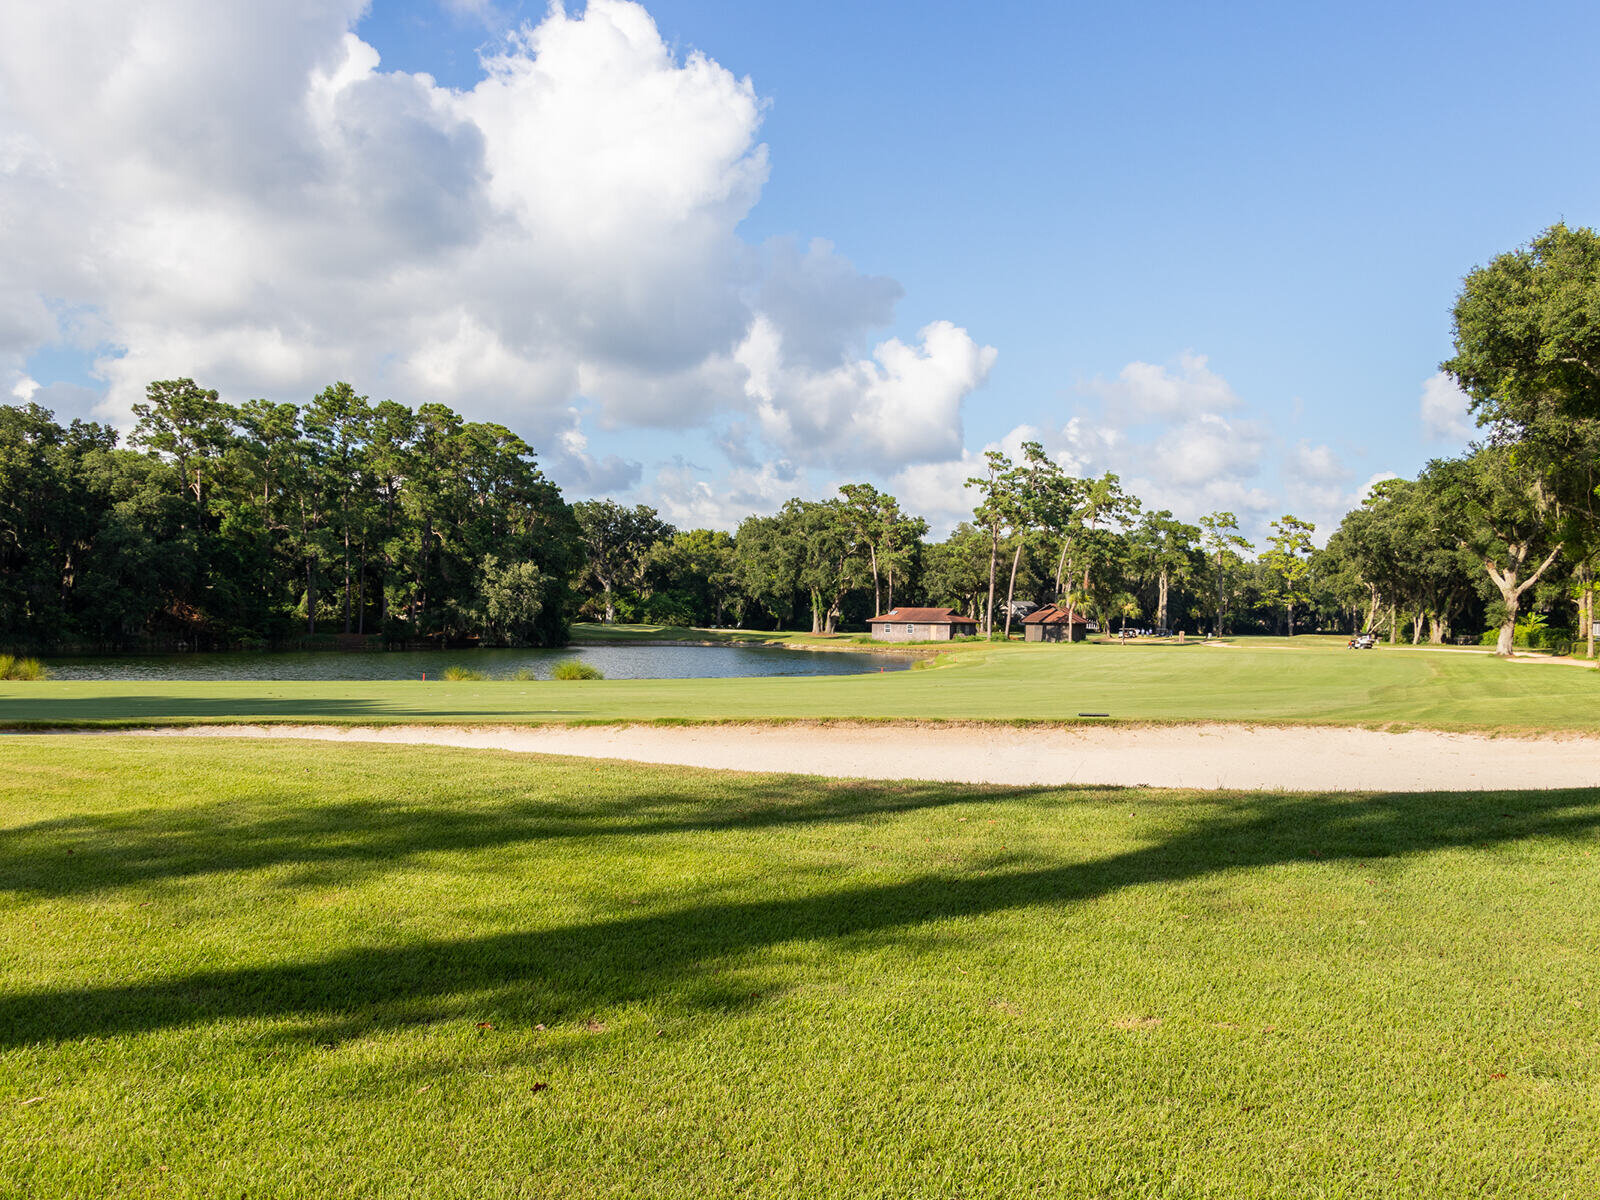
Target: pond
617,662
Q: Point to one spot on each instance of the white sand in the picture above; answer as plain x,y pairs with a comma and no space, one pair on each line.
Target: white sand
1189,756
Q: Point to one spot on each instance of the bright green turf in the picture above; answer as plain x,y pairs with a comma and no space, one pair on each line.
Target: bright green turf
1314,682
256,969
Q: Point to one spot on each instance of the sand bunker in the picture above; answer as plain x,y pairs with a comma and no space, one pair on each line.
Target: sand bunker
1187,756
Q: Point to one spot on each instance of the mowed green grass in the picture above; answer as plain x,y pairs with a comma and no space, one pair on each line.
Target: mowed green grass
258,969
1319,681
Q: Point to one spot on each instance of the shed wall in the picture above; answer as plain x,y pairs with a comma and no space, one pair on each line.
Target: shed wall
909,631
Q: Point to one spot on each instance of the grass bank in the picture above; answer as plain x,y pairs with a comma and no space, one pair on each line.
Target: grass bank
1270,682
233,970
594,633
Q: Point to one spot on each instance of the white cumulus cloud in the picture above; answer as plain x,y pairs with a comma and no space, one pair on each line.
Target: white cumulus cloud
901,405
1176,433
1316,464
1444,409
939,491
693,497
241,192
1144,391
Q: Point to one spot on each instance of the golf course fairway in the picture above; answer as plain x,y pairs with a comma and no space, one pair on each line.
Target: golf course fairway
1312,680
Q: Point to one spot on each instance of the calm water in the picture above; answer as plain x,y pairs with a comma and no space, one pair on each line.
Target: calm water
618,662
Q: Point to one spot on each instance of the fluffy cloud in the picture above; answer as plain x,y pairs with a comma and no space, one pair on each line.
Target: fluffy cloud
1373,481
1202,449
1177,435
820,301
939,490
1145,391
684,495
66,399
1316,464
1315,486
1173,433
1180,438
902,405
1444,409
240,192
571,461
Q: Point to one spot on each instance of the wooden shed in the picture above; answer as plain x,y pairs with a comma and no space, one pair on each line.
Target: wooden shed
1052,624
921,625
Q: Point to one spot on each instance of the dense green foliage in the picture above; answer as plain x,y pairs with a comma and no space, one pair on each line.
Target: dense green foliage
1527,330
617,542
450,973
265,523
1506,534
1527,340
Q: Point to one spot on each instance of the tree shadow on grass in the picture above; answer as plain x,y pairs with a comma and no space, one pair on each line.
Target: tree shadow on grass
676,957
353,839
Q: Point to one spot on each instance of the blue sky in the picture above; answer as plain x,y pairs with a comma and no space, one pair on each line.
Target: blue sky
1212,249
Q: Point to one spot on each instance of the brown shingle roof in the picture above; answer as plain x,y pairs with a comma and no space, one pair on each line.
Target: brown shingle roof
923,616
1052,615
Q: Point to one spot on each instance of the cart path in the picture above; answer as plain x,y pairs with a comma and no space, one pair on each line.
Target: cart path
1296,758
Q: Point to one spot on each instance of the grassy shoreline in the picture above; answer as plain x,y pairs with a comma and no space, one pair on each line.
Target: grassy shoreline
594,634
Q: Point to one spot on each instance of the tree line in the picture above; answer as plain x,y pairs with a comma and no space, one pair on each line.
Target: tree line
271,524
1038,535
342,521
1517,515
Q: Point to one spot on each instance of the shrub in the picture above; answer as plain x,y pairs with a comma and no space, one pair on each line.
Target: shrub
524,675
577,670
1552,638
22,669
1531,636
462,674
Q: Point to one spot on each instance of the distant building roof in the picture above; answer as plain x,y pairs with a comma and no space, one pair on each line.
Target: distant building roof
1050,614
923,616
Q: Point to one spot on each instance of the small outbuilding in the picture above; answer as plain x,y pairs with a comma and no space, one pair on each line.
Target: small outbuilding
921,625
1053,624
